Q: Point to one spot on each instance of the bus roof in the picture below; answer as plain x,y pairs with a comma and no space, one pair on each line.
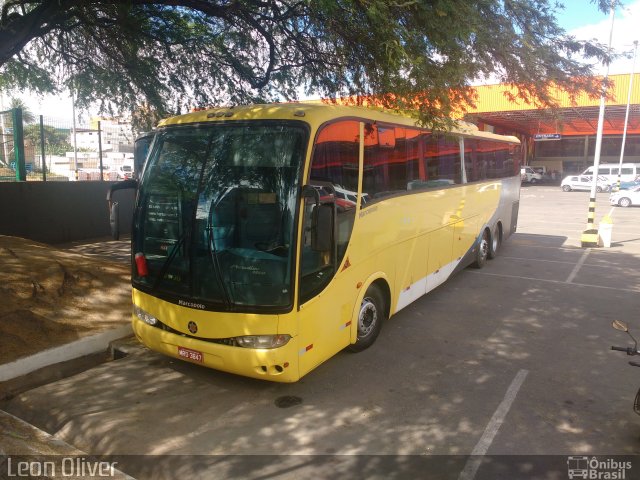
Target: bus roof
317,114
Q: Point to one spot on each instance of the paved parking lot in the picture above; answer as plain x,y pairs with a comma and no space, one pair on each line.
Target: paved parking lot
511,360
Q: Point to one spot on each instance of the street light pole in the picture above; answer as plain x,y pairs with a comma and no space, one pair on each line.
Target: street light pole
589,236
75,144
626,116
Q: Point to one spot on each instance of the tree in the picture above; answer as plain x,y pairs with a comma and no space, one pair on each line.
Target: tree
167,55
6,125
27,114
56,139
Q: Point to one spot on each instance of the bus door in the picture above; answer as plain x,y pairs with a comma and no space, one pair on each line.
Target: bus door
141,149
327,282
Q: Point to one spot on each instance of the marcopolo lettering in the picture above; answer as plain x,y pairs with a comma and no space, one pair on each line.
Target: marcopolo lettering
191,304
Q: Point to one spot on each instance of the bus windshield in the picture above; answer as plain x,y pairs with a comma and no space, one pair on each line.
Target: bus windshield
215,214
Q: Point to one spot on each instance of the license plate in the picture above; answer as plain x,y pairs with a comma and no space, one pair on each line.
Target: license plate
188,354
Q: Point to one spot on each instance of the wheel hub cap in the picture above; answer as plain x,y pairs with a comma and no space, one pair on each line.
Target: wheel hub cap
367,318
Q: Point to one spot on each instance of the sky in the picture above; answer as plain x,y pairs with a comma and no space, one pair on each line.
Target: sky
579,18
586,22
578,13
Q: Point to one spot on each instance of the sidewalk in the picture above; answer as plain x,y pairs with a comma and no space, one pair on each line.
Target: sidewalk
62,302
20,439
65,305
103,248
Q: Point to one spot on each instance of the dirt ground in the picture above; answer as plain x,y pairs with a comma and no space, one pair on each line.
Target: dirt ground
49,297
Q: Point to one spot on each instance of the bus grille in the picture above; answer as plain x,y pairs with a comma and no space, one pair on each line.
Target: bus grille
231,342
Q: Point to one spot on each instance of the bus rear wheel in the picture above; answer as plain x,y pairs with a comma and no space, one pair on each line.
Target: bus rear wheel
370,317
496,241
482,251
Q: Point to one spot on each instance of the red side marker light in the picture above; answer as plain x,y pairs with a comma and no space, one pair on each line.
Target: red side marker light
141,264
347,264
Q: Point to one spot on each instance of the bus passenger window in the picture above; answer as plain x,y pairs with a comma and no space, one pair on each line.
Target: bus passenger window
485,159
386,160
334,173
443,160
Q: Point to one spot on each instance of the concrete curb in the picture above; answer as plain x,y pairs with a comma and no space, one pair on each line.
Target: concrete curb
18,437
79,348
28,443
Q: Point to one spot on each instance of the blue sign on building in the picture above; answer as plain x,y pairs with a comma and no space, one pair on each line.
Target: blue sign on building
547,136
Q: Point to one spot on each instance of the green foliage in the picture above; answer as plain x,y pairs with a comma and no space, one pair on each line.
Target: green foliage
56,140
59,149
19,73
161,57
27,115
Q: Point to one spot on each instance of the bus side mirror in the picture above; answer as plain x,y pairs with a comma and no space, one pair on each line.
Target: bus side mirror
310,192
322,227
114,220
114,211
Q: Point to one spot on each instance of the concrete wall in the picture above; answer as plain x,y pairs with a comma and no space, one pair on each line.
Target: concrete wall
57,212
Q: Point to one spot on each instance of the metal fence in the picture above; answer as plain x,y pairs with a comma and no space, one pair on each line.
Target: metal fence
46,149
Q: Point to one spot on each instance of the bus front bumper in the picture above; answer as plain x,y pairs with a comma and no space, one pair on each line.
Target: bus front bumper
276,364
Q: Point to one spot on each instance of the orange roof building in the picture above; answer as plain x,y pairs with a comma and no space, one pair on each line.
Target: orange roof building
574,123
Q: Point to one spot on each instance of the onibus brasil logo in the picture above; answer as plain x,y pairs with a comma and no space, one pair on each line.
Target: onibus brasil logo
592,468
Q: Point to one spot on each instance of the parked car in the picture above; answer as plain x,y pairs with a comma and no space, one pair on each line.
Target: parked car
350,195
344,199
629,185
529,175
584,182
626,198
123,172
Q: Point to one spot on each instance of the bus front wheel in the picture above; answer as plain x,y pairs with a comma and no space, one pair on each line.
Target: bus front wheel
370,318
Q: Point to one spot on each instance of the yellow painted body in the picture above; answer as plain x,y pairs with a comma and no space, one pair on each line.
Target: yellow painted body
411,242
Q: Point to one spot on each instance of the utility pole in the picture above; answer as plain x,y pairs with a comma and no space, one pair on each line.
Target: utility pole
100,151
3,132
75,146
626,116
589,236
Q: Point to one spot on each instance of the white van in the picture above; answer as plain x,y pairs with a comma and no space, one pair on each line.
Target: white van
610,171
122,172
528,174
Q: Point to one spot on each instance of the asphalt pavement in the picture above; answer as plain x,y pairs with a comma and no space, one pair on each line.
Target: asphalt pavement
510,364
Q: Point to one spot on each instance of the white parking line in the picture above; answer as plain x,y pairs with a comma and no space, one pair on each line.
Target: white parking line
537,260
573,284
576,269
528,244
481,448
561,262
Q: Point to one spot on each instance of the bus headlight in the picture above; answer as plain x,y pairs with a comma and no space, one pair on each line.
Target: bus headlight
144,316
263,341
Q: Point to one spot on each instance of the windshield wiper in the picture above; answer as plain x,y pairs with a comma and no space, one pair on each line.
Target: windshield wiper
217,269
169,260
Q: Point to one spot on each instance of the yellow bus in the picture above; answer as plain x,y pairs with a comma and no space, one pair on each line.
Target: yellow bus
268,238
